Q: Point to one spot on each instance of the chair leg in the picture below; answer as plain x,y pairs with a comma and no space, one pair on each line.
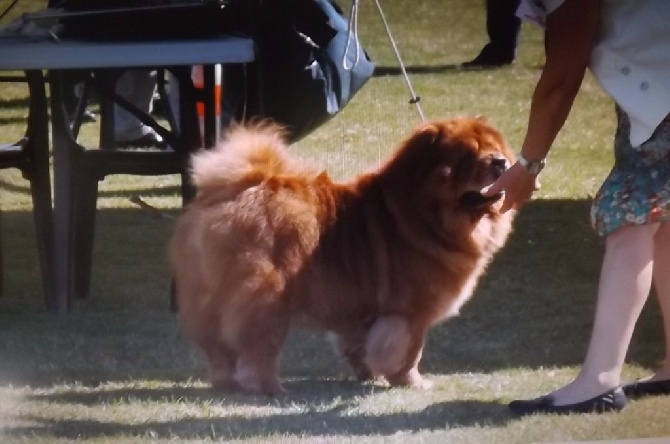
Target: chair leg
84,234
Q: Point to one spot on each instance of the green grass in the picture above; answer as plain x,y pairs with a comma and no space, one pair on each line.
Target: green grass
118,369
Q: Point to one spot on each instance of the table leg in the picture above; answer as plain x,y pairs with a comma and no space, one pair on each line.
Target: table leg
40,183
210,135
63,157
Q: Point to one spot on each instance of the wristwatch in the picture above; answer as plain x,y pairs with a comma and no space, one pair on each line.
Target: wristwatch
533,167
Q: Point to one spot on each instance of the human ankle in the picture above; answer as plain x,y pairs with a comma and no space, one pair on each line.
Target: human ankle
608,380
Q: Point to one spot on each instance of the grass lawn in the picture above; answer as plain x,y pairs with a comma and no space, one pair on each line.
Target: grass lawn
117,369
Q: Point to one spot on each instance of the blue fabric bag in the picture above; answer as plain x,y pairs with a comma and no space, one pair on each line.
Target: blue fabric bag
302,76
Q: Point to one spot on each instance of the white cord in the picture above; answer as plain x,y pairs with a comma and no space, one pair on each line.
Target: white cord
352,35
415,99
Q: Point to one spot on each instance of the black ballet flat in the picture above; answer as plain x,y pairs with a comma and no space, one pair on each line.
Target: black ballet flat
612,400
639,389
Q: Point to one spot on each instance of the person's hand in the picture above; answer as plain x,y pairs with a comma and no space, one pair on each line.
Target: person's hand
517,184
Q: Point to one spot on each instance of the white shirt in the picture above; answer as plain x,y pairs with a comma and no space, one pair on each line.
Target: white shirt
631,58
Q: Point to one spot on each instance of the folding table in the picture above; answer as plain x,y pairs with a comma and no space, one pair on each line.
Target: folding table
72,220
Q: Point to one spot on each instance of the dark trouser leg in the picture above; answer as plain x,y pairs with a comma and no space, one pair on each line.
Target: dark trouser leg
502,26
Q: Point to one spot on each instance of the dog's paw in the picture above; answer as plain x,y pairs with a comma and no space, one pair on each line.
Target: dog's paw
251,379
422,384
273,390
411,379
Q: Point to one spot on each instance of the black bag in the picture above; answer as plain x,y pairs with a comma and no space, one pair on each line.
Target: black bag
302,76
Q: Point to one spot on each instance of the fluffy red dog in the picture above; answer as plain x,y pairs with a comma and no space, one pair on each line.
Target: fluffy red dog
267,243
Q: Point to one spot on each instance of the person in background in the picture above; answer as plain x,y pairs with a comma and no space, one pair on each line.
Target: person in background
502,27
626,44
71,97
138,87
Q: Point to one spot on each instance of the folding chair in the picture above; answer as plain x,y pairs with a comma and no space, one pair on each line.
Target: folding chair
31,156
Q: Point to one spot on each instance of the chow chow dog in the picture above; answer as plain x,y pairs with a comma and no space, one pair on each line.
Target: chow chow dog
269,243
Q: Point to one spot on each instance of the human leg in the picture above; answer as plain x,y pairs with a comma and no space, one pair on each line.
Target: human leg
502,27
137,86
662,285
625,282
659,382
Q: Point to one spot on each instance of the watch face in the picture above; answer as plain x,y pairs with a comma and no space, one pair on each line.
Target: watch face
532,167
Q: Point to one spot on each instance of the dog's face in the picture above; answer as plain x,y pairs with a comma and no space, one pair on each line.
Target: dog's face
452,161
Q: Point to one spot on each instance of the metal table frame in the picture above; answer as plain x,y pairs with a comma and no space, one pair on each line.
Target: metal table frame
65,271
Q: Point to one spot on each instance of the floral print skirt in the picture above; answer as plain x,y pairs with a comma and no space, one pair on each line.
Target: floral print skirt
637,190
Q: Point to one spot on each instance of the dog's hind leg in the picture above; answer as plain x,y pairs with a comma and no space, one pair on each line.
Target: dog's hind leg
351,346
393,350
220,364
259,344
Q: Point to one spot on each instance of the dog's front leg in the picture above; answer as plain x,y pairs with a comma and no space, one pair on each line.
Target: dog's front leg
393,350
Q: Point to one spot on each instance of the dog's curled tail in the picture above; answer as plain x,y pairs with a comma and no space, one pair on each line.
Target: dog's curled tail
247,152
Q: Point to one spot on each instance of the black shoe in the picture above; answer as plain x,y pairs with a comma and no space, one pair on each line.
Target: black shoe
149,140
489,58
639,389
608,401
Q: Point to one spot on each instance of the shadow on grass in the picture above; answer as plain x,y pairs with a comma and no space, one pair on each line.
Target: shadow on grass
327,421
381,71
312,391
146,191
17,103
12,120
414,69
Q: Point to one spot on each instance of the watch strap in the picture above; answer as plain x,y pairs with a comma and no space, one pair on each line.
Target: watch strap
532,166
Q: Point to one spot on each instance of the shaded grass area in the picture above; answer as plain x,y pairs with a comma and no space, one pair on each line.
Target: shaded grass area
118,368
519,306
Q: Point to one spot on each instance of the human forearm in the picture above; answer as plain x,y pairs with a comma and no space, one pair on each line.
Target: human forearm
550,106
569,36
570,33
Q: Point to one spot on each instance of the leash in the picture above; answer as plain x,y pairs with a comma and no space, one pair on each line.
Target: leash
414,100
352,35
